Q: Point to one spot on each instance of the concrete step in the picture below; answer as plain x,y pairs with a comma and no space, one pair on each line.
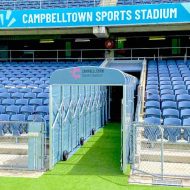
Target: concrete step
166,181
19,161
170,156
14,148
175,170
180,145
13,139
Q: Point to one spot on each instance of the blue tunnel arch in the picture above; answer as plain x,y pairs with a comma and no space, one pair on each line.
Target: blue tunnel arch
67,86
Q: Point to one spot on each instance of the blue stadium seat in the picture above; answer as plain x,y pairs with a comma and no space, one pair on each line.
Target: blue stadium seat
176,78
13,90
43,86
180,91
17,128
42,110
4,95
37,90
152,133
152,104
177,87
165,83
43,95
30,95
8,101
27,82
166,91
186,79
185,113
13,109
18,82
46,102
168,113
174,75
186,135
183,97
153,112
21,102
3,90
167,97
168,87
35,118
164,78
178,83
36,101
46,117
3,127
184,105
27,109
154,97
151,87
46,90
152,91
152,82
17,95
172,133
25,90
2,109
169,105
34,78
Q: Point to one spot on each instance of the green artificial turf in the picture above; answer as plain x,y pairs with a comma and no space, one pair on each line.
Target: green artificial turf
95,166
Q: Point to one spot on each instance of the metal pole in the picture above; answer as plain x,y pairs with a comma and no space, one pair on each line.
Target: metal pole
40,4
158,53
81,56
162,153
10,56
33,56
57,56
51,140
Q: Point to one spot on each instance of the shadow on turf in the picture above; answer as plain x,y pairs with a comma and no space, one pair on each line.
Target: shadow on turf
101,158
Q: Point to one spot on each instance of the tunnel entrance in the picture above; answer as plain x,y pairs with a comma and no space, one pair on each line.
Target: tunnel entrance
116,95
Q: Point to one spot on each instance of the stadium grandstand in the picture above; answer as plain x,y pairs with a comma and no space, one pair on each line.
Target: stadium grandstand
95,79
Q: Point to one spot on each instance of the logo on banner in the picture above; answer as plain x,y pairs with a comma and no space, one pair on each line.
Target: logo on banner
6,20
75,72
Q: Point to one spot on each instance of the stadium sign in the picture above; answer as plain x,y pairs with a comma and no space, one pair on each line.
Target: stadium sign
96,16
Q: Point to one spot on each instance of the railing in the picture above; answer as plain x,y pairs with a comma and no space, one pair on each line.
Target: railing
93,54
44,4
23,146
141,94
161,151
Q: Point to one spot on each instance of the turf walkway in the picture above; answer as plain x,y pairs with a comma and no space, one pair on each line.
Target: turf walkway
95,166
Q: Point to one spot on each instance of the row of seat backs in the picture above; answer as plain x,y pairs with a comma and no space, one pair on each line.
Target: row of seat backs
137,2
37,4
27,109
173,131
167,112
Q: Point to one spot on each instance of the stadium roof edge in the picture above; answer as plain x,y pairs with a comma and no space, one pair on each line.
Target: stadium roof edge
89,30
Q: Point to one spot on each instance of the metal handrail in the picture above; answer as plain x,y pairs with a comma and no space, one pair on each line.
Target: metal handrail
58,54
